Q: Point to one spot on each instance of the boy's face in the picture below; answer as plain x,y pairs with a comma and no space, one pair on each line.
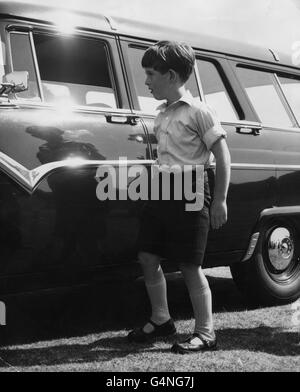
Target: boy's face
158,83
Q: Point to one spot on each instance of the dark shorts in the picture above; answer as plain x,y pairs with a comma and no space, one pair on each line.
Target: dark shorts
169,231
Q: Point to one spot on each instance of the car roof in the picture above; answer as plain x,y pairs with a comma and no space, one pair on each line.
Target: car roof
132,28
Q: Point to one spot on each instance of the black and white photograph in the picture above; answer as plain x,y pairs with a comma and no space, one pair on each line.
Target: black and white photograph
149,189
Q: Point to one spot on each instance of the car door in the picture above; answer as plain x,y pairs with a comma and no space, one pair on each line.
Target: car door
273,93
253,185
74,118
286,135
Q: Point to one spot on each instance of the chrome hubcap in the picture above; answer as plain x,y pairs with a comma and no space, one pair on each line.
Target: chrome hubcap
281,248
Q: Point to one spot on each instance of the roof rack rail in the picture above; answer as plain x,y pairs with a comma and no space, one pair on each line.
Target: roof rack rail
275,55
110,22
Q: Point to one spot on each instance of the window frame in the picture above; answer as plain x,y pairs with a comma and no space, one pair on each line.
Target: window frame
288,76
275,71
126,45
220,64
104,38
224,70
27,33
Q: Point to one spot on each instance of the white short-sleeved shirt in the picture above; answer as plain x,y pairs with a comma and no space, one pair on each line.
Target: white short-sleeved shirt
186,130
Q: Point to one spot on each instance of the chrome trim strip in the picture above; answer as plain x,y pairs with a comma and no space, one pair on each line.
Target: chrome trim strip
38,174
287,167
286,103
75,108
235,124
29,179
281,211
15,171
49,167
255,166
252,246
199,83
36,67
242,124
264,166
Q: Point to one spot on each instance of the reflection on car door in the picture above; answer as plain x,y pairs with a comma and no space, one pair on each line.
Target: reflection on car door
58,220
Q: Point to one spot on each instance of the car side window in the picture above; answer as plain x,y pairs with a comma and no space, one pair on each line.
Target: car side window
147,103
215,91
73,70
22,60
263,92
291,89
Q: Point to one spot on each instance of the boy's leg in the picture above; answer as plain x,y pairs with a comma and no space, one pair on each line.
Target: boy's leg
160,323
156,288
201,299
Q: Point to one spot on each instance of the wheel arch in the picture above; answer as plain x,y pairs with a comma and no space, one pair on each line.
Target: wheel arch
270,278
275,214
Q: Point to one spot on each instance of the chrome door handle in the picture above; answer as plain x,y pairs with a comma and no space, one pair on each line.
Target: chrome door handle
249,130
139,139
115,119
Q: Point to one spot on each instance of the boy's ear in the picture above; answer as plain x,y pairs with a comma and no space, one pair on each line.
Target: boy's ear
173,75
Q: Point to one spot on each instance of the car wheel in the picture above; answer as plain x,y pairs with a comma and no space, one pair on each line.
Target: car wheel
272,275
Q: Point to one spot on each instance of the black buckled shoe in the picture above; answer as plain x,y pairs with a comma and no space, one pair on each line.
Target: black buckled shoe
140,336
187,346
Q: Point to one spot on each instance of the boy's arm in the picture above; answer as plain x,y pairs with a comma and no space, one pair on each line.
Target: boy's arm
218,210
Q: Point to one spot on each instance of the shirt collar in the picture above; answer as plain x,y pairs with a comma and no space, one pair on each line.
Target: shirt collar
186,98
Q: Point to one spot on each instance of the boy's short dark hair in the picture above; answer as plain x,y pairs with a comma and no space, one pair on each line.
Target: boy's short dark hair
166,55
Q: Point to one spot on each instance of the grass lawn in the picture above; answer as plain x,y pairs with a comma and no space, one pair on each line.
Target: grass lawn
86,331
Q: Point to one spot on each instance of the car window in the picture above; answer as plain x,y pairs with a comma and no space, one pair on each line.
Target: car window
291,89
145,99
22,60
263,92
73,70
215,92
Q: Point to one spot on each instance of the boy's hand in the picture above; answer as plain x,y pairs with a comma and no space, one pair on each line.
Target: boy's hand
218,214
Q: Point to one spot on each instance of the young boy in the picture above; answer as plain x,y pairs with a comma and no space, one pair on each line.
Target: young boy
187,131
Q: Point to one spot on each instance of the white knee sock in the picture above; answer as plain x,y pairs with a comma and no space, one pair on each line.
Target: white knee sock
157,291
201,299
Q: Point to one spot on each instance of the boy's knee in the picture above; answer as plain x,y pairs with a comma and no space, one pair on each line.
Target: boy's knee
189,267
148,259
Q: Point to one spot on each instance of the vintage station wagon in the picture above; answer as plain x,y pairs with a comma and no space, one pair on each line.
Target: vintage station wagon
74,98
